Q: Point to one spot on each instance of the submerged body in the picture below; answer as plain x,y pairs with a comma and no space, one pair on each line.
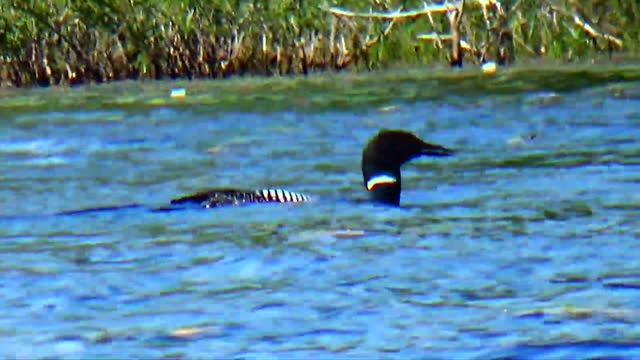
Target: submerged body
382,158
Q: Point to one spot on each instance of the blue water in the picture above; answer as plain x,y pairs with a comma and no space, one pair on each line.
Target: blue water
524,244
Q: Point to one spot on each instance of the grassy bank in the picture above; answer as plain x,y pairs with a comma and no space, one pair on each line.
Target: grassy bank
60,42
384,90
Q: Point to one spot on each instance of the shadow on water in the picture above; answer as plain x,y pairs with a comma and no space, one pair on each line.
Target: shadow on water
521,245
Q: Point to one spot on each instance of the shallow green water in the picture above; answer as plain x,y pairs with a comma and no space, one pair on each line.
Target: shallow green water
524,244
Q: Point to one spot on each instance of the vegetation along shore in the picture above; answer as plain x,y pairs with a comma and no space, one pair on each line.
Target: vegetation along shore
55,42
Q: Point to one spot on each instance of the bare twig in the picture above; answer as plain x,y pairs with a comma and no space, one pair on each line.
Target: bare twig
445,37
433,25
384,32
587,28
443,8
595,33
454,17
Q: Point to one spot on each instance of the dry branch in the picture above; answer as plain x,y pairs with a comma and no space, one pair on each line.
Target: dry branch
428,9
455,16
445,37
595,33
587,28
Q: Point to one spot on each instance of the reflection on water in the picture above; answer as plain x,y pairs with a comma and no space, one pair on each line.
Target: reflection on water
523,244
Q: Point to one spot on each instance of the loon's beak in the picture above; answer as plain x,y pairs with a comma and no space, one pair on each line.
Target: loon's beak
436,150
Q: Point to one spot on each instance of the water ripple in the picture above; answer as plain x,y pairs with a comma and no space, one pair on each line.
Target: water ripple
522,245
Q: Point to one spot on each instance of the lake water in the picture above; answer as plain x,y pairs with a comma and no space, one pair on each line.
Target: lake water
524,244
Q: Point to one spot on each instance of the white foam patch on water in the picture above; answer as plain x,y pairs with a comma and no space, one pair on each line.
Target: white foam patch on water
35,153
32,147
68,348
248,269
41,162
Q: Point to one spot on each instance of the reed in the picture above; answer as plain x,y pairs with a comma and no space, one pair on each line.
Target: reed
59,42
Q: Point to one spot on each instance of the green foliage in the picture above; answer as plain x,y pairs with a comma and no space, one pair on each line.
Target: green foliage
67,42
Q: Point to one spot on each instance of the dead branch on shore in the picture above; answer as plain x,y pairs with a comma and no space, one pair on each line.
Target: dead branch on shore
595,33
454,16
454,12
411,14
361,42
439,39
500,36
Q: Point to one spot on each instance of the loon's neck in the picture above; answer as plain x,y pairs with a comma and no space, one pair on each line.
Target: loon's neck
383,187
382,158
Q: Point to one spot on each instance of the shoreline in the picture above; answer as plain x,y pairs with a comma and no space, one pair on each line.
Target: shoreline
97,42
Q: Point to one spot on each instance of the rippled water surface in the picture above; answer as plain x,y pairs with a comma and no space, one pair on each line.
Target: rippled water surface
524,244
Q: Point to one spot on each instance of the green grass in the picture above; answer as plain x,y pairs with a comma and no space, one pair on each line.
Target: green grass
49,42
322,92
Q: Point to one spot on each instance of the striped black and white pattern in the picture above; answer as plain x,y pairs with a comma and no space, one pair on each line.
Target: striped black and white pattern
226,197
279,195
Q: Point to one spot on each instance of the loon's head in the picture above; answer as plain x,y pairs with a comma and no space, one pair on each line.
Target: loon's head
385,154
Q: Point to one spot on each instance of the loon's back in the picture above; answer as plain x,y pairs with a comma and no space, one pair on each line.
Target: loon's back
222,197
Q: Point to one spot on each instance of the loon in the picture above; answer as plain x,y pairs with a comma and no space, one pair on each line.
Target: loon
382,158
